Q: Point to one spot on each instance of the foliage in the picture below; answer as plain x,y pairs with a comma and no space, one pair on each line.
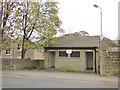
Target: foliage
6,10
84,33
36,23
80,33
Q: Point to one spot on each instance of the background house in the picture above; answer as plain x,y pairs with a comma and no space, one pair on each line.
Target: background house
14,52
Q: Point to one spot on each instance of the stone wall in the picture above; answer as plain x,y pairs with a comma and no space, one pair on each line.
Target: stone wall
10,64
71,63
110,58
111,63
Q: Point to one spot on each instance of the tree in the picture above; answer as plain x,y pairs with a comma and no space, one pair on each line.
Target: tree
36,23
6,10
84,33
80,33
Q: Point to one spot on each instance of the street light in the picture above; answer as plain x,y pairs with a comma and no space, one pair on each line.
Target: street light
96,6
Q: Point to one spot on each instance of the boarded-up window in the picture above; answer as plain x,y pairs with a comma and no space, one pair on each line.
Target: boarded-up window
63,54
75,54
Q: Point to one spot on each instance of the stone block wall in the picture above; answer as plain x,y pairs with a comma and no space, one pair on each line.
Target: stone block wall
10,64
110,58
71,63
111,64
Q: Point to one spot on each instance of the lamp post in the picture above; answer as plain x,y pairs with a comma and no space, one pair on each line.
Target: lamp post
96,6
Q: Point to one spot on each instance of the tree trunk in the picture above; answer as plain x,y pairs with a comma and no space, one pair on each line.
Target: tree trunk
24,36
1,31
23,45
23,48
23,53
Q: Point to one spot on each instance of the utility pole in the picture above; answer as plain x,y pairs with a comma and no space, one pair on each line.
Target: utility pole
100,37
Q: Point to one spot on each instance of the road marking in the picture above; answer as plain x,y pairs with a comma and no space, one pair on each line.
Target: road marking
61,79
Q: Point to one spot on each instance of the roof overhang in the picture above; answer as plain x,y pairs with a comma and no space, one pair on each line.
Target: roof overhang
71,47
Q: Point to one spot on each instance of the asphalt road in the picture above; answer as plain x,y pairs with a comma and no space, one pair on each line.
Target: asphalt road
31,79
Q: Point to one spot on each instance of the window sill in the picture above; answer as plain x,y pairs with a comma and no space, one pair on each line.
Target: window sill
70,57
74,57
63,57
19,50
8,54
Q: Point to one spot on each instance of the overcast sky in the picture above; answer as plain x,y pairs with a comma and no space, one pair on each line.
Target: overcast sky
77,15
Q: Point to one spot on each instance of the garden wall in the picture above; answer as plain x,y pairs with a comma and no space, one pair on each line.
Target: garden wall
10,64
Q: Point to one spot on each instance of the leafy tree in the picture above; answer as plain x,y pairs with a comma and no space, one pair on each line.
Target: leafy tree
36,23
84,33
80,33
6,10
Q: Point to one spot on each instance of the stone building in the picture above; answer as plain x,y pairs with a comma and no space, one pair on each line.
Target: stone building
15,49
74,52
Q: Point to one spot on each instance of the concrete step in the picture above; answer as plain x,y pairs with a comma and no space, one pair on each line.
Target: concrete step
89,71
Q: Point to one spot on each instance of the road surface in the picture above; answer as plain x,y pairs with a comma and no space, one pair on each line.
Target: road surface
33,79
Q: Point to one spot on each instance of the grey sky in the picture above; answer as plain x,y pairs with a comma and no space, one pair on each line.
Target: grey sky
78,15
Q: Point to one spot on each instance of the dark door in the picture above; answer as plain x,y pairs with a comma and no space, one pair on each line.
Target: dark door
51,60
89,60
